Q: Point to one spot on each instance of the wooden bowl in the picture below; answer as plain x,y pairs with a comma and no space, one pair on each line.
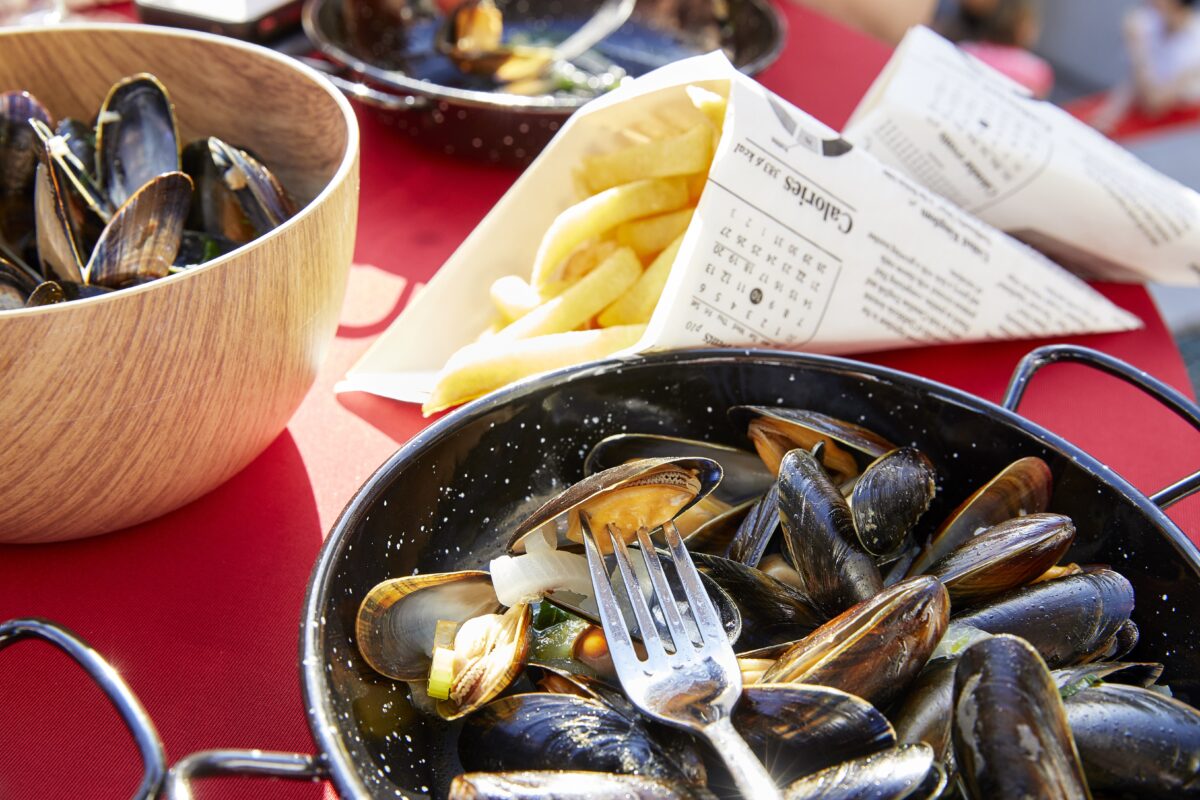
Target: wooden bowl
119,408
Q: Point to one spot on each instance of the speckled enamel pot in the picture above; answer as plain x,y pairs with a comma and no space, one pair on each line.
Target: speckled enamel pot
449,497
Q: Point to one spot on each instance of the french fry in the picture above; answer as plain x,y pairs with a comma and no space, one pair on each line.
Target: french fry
480,368
577,305
681,154
601,213
712,104
651,235
637,305
586,259
513,297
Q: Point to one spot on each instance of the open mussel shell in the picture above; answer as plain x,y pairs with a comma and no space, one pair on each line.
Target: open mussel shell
898,773
561,785
262,197
771,611
798,729
644,493
717,533
18,159
215,209
873,649
492,661
398,617
1134,742
539,731
1011,737
136,137
743,475
819,537
1119,645
80,139
1023,487
49,293
1004,557
143,237
848,448
889,497
1067,619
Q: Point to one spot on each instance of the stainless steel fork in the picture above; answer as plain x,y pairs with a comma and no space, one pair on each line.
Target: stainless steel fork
695,684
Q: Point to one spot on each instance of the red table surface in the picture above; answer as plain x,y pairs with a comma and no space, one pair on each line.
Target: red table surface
199,610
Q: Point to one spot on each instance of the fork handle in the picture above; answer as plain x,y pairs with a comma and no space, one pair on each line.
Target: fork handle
752,779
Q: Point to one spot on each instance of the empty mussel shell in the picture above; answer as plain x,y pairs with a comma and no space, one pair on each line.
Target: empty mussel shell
15,285
262,197
848,448
18,159
1023,487
136,137
143,237
875,648
215,210
1072,680
1011,737
923,714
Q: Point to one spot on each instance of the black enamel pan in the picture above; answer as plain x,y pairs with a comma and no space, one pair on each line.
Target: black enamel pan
447,499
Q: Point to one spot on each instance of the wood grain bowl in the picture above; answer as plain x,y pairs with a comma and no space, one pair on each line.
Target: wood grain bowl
119,408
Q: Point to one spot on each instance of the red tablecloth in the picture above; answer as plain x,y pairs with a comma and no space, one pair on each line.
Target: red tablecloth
199,610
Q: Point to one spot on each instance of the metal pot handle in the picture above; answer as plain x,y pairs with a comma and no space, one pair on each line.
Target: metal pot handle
154,762
357,90
1171,398
206,763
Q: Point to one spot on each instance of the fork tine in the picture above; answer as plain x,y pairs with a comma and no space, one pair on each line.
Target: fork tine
633,588
620,644
666,598
698,600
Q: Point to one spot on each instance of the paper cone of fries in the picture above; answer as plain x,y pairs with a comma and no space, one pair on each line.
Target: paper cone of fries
693,207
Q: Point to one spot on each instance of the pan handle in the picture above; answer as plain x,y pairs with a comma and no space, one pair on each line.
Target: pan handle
154,762
1171,398
357,90
207,763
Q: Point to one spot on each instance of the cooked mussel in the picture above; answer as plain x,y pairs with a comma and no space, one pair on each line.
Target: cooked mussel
848,448
907,771
889,497
1134,742
771,611
643,493
743,476
873,649
1011,737
1023,487
136,137
397,621
1003,557
798,729
1066,619
819,537
538,731
923,714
